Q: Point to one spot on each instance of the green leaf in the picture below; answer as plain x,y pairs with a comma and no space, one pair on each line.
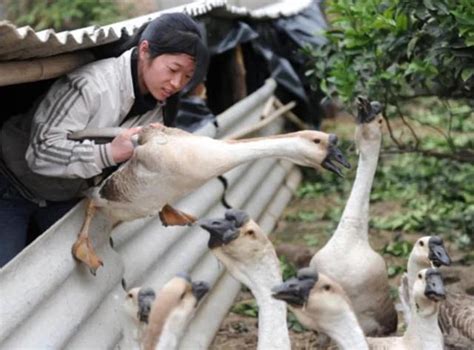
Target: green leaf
429,5
467,73
411,46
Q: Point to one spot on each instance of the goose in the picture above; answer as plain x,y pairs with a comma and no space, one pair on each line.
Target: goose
320,303
169,163
428,251
239,243
456,314
162,317
137,306
348,257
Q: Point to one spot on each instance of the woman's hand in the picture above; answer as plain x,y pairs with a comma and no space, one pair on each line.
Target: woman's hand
122,145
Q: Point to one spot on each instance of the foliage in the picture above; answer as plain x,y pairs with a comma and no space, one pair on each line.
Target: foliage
293,323
399,248
288,270
435,196
246,308
397,50
394,270
62,14
311,240
303,215
392,48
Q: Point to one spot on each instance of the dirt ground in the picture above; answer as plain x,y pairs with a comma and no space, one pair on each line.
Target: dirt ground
305,237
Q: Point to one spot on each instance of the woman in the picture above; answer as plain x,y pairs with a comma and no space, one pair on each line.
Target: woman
42,173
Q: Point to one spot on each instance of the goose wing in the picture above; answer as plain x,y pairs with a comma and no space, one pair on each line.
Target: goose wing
456,319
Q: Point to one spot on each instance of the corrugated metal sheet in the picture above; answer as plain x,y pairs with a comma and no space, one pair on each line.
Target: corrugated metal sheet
24,43
49,301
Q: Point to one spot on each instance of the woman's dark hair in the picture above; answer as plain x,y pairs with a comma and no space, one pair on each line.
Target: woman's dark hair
177,33
174,33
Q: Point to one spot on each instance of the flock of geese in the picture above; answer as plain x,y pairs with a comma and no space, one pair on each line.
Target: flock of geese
343,294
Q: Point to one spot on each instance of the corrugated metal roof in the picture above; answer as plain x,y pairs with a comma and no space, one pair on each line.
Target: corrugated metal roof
24,43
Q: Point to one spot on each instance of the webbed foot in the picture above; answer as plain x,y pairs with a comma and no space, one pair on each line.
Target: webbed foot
173,217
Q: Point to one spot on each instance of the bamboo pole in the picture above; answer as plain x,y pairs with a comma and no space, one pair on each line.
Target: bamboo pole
279,112
17,72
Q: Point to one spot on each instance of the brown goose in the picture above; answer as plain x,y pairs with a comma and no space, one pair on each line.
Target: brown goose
348,256
169,163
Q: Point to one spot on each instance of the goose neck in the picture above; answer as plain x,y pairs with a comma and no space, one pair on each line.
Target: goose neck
279,147
345,330
423,331
413,266
355,218
272,325
264,274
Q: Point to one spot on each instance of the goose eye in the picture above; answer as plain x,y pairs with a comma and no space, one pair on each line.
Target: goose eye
380,121
327,287
419,276
421,243
316,140
250,232
130,295
182,295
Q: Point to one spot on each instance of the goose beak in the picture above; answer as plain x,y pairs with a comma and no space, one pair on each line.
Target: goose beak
222,231
199,289
146,297
334,155
239,217
295,291
437,252
366,110
290,292
434,289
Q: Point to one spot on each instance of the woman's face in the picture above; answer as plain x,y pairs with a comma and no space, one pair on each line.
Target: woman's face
164,75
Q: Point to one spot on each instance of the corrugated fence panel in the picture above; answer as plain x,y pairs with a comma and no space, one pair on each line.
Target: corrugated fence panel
24,43
49,301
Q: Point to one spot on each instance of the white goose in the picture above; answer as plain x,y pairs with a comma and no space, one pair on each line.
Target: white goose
427,252
321,304
248,254
161,320
348,257
456,314
169,163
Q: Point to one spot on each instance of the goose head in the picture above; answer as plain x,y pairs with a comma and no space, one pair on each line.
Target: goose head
316,149
183,291
138,303
428,251
369,120
236,234
428,291
314,298
174,305
241,245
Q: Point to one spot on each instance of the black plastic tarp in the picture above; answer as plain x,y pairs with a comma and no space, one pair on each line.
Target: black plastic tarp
271,49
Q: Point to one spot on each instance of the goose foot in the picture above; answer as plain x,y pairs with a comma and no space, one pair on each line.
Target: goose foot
84,251
173,217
